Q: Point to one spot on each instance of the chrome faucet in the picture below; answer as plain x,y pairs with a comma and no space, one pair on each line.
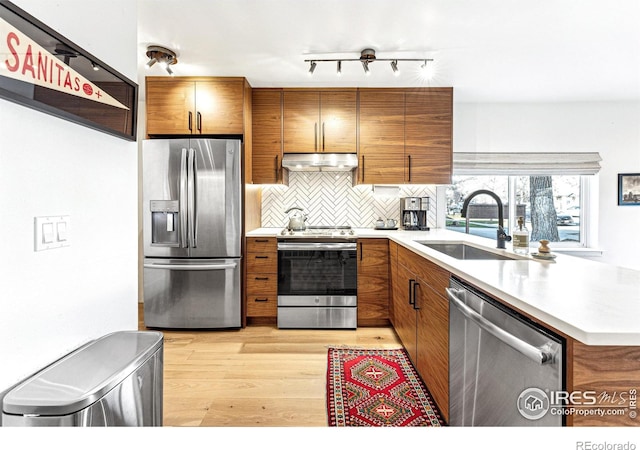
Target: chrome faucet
501,236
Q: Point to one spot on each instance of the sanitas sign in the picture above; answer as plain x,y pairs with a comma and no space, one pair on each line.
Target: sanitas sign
25,60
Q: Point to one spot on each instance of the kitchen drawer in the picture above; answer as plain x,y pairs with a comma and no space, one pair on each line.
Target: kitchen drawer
262,306
262,263
262,245
262,284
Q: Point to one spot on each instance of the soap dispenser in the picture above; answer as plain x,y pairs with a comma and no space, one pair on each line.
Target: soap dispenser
521,238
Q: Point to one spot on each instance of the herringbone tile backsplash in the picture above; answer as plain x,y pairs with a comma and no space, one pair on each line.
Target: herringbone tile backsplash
328,198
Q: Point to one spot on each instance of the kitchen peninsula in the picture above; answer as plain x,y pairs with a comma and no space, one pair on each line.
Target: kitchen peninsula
594,306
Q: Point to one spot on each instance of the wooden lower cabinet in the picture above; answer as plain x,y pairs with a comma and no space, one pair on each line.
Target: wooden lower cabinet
373,282
612,375
261,288
421,320
405,319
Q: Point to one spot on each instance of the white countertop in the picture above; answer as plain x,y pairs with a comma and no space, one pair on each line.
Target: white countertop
594,303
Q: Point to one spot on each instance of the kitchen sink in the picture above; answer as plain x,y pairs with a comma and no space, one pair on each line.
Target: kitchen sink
463,251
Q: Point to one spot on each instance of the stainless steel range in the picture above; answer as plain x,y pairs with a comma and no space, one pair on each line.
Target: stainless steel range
317,278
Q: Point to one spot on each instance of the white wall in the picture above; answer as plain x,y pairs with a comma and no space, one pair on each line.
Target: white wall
612,129
53,301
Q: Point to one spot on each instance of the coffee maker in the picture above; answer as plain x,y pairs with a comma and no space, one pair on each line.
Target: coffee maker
413,213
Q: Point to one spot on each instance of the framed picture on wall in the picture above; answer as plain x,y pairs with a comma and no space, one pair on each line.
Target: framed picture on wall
629,189
43,70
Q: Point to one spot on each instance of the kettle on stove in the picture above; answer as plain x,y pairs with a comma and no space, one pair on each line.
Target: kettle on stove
297,219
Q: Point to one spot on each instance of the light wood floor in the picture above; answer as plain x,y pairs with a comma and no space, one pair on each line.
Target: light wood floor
258,376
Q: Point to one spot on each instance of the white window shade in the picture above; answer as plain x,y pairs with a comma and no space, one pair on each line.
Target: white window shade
526,163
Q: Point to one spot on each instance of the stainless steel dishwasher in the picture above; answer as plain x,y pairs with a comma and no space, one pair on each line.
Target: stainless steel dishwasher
503,367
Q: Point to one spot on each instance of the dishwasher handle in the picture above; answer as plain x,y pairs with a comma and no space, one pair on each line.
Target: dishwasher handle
541,355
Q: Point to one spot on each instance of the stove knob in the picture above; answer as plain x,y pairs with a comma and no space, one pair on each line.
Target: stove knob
351,232
291,232
342,232
283,232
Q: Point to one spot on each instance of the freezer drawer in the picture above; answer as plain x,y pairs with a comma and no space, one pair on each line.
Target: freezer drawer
113,381
192,293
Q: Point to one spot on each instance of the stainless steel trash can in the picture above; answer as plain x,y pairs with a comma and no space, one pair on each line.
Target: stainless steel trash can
115,380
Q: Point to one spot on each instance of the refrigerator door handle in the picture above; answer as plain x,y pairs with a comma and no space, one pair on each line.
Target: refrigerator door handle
182,198
191,198
191,266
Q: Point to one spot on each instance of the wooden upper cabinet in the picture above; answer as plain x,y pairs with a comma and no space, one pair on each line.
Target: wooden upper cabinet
428,129
187,106
339,124
170,105
405,136
267,136
381,157
300,121
320,121
219,107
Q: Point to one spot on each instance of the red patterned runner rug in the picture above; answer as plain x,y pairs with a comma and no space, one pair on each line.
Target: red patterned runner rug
377,388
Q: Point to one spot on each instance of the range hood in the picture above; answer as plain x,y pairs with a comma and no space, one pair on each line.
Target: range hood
320,162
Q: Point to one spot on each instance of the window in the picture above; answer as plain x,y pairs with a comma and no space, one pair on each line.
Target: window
550,190
552,213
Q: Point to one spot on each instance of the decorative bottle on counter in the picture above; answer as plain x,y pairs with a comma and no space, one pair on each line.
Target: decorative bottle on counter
521,238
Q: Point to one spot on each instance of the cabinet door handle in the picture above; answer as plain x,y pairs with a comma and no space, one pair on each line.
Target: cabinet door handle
262,278
360,251
415,304
322,136
363,168
276,168
262,257
190,121
261,300
261,240
199,121
411,292
315,136
409,156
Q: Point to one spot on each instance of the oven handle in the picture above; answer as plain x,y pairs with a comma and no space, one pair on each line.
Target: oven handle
316,246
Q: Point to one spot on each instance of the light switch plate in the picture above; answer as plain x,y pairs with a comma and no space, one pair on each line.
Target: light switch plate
51,232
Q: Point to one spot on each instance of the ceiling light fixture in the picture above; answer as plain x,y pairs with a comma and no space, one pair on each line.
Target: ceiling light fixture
312,67
365,66
394,67
367,56
163,56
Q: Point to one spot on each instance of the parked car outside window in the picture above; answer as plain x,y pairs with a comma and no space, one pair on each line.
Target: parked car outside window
565,219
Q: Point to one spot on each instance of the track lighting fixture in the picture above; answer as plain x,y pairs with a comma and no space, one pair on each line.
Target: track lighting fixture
312,67
367,56
365,66
394,67
162,56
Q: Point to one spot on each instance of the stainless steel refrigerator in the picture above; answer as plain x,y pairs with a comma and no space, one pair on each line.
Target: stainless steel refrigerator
192,214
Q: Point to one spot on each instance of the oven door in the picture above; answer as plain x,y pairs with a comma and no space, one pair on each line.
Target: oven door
317,285
317,269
